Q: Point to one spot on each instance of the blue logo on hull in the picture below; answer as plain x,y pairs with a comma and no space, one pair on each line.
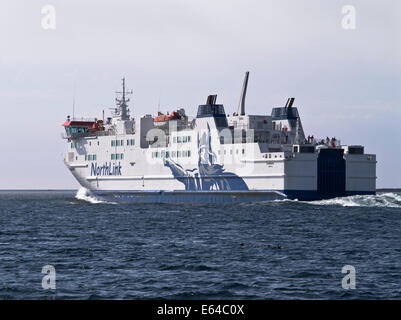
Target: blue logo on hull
107,169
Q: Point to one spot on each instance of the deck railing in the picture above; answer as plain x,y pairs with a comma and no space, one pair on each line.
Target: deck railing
87,134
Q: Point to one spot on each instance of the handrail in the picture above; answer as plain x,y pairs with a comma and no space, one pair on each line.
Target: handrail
88,134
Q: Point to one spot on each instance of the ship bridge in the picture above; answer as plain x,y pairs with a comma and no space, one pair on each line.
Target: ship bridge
80,128
74,127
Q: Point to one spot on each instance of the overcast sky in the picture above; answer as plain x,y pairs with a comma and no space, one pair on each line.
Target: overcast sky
346,82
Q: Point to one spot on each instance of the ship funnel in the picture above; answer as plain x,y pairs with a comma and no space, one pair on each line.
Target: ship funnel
241,106
211,99
289,103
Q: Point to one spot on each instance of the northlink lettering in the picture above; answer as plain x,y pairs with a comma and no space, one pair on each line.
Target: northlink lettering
106,170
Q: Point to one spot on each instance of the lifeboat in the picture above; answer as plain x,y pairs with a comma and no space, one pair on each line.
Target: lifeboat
97,126
162,119
167,117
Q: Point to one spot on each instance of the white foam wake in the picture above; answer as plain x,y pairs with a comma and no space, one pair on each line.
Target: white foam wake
85,195
388,200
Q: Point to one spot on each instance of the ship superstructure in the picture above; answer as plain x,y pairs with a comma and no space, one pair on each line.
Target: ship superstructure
212,157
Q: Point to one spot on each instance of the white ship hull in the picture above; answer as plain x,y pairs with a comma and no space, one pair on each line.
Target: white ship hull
279,175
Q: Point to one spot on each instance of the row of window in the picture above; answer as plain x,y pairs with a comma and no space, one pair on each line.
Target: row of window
182,139
117,143
75,144
114,143
172,154
231,151
90,157
117,156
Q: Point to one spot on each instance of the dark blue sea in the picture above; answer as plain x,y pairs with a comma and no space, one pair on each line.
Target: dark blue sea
269,250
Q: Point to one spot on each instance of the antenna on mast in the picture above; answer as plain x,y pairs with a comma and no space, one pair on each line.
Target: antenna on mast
158,103
73,102
122,105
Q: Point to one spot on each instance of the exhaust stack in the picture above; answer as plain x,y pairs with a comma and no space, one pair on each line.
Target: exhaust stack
211,99
241,106
289,103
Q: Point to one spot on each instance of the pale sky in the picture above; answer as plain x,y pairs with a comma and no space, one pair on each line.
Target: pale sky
346,82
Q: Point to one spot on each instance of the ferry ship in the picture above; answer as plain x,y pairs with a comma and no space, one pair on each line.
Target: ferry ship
212,157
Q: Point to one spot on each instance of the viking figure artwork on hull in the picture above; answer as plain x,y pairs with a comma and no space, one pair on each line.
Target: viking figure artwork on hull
209,175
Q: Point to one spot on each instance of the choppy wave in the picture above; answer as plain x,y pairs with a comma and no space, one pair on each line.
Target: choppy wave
85,195
388,200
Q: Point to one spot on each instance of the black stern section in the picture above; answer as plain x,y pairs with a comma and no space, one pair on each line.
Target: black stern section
331,173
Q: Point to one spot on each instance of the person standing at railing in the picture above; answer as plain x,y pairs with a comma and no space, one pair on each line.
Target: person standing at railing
333,142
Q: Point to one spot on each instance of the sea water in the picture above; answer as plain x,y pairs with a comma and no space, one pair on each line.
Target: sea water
270,250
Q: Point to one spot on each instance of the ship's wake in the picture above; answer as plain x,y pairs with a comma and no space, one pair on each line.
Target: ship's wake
85,195
384,200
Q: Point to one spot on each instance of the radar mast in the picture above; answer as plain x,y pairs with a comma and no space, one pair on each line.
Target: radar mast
122,110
